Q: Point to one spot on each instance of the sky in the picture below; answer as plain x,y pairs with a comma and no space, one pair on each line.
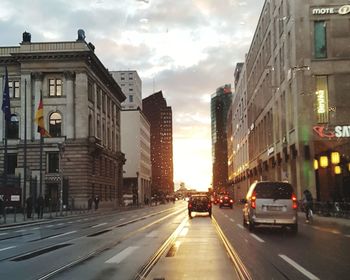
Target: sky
186,48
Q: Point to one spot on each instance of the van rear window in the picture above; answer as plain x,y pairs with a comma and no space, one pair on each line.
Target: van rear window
273,190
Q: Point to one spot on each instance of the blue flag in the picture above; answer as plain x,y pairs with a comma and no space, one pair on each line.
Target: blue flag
6,99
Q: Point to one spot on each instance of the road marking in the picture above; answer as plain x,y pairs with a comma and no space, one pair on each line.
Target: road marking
152,234
226,215
86,219
79,220
121,219
257,238
35,228
21,230
99,225
49,226
183,232
70,222
66,233
298,267
60,224
232,220
118,258
240,226
4,233
326,230
134,216
7,248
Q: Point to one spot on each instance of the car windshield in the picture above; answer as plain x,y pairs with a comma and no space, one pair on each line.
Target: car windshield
162,139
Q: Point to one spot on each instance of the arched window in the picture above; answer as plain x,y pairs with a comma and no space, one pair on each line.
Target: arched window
13,128
55,128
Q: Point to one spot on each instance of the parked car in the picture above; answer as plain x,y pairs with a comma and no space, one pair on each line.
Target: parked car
199,203
226,201
271,203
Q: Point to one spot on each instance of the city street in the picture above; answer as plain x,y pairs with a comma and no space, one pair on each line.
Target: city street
163,243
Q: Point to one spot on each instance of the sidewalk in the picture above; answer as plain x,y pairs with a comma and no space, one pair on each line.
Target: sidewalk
317,219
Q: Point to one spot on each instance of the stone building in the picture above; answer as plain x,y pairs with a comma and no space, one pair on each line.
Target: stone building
81,104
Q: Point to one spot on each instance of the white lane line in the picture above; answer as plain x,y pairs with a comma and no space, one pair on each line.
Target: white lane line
66,233
70,222
152,234
257,238
4,233
240,226
86,219
79,220
99,225
183,232
118,258
232,220
21,230
35,228
226,215
60,224
121,219
300,268
49,226
7,248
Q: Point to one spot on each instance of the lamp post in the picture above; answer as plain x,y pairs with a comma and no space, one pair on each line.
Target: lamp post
61,148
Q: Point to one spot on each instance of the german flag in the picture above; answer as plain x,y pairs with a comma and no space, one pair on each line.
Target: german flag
39,118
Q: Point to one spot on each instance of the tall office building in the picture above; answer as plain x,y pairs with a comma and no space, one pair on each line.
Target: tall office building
160,117
131,85
135,140
220,104
295,90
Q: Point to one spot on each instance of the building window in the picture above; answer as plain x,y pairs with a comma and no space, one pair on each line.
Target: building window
55,124
13,128
53,162
55,87
320,39
131,98
91,92
11,163
104,103
14,89
98,98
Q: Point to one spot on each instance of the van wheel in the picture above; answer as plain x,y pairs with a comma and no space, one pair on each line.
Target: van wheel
189,214
251,226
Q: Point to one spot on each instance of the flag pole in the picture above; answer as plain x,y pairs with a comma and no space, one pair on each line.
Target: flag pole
5,155
41,164
25,144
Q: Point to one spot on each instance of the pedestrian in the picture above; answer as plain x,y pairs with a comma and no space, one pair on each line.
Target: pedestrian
40,203
96,201
29,203
90,203
307,204
2,206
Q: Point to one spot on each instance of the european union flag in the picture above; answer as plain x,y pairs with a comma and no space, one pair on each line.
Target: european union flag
6,99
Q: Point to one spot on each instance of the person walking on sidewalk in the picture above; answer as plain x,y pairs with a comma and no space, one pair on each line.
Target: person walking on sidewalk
29,202
307,203
40,206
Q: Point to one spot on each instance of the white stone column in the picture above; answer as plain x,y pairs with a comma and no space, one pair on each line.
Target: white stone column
81,106
69,117
38,84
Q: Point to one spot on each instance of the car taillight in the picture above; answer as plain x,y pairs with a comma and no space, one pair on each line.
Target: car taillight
295,201
253,200
226,197
209,205
190,205
231,200
220,200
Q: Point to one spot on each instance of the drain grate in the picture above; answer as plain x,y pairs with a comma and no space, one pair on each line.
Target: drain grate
39,252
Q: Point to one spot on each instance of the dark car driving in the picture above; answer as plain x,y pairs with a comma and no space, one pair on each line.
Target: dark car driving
199,203
226,201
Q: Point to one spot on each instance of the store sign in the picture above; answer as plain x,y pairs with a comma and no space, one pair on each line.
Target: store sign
343,10
339,131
